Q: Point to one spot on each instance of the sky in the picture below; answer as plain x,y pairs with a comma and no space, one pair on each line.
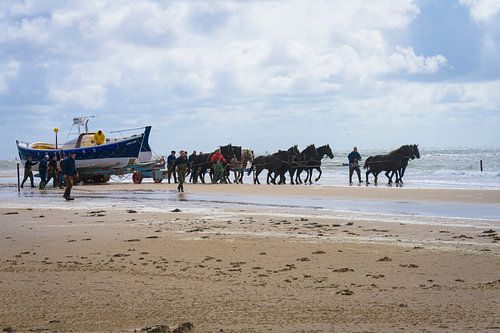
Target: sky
259,74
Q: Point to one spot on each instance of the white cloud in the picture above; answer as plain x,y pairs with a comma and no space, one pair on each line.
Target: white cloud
8,71
406,59
482,10
91,97
269,47
256,64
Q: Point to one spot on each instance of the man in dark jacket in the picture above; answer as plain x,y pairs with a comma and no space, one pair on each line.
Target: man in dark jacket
69,171
170,162
28,171
191,162
354,159
182,165
42,169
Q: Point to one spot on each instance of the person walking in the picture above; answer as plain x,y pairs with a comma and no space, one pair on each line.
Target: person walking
354,158
217,160
191,159
28,172
52,172
69,171
170,162
182,165
42,170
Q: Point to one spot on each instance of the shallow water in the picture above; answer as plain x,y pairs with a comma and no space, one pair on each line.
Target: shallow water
450,214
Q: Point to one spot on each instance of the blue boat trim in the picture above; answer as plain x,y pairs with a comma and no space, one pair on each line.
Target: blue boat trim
127,148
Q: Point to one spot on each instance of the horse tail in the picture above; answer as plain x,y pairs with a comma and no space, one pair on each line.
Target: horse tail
367,162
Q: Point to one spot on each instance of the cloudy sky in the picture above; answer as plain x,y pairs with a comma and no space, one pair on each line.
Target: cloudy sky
261,74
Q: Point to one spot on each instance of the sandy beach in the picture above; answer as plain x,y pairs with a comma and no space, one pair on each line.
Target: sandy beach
246,268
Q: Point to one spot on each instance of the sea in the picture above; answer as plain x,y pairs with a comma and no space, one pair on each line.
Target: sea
446,168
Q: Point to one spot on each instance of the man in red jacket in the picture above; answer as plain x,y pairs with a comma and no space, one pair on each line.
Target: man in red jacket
217,160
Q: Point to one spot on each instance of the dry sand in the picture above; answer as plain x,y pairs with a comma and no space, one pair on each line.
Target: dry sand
247,270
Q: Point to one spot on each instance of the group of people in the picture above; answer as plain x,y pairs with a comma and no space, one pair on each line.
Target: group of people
61,171
179,166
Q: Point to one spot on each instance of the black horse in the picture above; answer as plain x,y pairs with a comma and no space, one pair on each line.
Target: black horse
305,162
286,160
391,162
315,163
277,164
200,166
404,163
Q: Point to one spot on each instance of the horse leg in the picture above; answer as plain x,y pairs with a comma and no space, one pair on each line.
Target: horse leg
401,174
297,177
367,173
320,173
202,175
282,177
256,176
390,178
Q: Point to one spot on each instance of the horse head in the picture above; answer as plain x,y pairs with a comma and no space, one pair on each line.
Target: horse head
325,150
294,150
227,151
416,152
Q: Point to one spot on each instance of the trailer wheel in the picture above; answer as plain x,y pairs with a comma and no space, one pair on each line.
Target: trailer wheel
158,180
137,177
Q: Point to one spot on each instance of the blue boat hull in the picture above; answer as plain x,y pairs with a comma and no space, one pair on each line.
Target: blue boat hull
111,155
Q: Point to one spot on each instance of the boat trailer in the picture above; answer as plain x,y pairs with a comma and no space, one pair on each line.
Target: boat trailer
153,169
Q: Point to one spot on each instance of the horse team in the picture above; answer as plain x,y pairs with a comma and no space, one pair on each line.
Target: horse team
295,162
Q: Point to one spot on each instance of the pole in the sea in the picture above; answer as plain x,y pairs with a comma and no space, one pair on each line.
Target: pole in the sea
481,165
18,179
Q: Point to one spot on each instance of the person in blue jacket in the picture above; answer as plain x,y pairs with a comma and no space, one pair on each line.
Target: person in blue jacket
69,171
170,162
354,158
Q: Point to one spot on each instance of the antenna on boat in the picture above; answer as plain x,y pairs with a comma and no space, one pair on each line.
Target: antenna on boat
82,122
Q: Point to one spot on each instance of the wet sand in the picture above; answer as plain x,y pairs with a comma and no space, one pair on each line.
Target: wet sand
246,269
345,192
